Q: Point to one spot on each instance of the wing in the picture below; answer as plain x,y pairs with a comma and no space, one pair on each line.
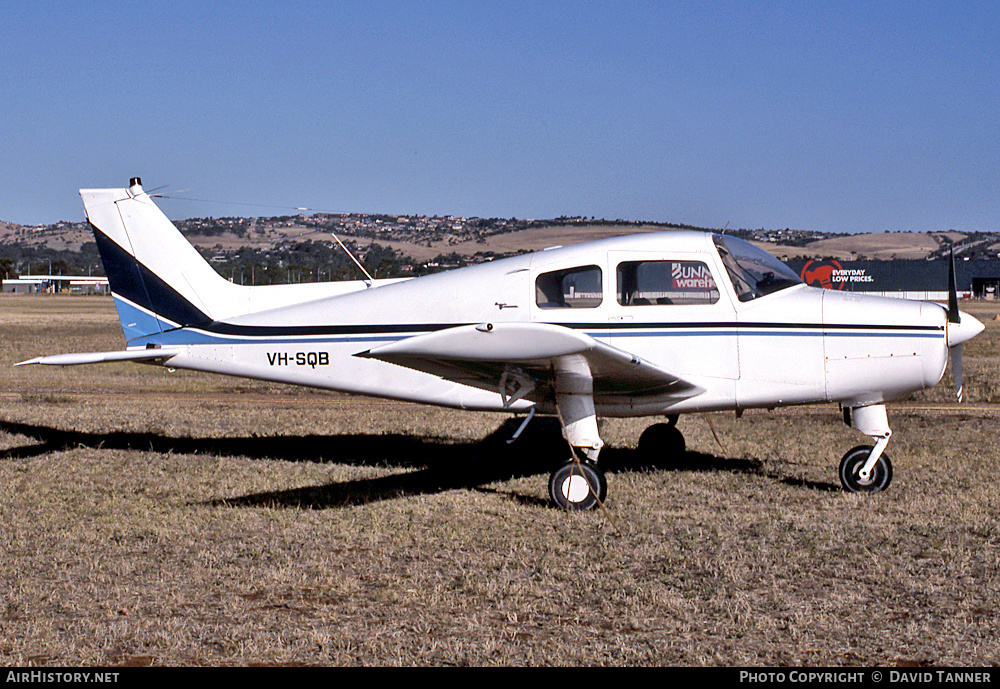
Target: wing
518,359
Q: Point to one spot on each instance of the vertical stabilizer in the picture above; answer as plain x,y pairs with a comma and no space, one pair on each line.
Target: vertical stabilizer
158,279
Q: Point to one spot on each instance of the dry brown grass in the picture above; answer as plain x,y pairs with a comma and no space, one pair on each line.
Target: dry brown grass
172,519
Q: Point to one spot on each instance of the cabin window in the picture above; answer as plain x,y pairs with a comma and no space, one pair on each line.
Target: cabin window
665,282
571,288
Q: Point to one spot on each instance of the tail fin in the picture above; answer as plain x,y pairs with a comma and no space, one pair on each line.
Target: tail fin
158,279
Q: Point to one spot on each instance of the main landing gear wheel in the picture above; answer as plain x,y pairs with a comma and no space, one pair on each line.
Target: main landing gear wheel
850,470
661,444
578,486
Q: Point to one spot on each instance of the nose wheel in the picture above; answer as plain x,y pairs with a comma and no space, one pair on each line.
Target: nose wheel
853,476
578,486
867,469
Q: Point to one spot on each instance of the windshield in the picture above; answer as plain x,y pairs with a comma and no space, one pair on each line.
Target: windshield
754,272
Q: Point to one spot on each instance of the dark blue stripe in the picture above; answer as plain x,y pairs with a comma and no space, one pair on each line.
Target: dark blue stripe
132,280
223,328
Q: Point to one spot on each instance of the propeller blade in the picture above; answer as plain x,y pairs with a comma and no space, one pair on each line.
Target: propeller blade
956,370
953,316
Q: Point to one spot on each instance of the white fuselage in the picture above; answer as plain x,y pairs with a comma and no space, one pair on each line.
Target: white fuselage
797,345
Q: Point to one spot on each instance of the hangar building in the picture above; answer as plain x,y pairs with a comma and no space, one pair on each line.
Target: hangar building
906,279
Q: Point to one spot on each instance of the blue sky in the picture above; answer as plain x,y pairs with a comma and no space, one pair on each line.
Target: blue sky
831,116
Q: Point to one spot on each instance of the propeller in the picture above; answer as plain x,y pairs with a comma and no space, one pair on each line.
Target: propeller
961,327
954,317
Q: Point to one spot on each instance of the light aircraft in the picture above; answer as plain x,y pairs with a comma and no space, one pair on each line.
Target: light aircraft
651,325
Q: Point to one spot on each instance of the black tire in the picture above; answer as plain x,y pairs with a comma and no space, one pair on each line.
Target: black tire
578,486
661,444
851,464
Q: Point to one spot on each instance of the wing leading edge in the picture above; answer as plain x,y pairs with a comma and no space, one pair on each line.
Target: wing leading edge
519,359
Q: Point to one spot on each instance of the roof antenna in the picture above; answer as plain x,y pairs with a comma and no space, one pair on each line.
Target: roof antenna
370,279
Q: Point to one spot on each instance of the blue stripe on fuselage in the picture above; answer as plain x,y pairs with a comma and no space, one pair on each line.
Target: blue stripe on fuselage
217,333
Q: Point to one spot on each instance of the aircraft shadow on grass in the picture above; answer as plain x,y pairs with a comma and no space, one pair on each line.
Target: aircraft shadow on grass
436,465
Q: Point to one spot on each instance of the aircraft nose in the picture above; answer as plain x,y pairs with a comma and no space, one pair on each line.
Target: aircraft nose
966,329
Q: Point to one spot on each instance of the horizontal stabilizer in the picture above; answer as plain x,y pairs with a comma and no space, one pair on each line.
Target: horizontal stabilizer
147,355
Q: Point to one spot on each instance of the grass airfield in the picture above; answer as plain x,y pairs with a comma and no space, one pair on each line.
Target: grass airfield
156,518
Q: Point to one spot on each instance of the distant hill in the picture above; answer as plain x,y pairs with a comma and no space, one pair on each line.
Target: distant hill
408,245
892,245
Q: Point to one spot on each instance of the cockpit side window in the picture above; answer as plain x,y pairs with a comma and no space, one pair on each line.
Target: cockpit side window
753,272
665,282
580,287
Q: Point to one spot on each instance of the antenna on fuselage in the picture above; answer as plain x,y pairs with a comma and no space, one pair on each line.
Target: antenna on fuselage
370,280
356,261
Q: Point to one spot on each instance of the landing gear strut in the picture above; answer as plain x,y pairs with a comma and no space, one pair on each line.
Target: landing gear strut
577,485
